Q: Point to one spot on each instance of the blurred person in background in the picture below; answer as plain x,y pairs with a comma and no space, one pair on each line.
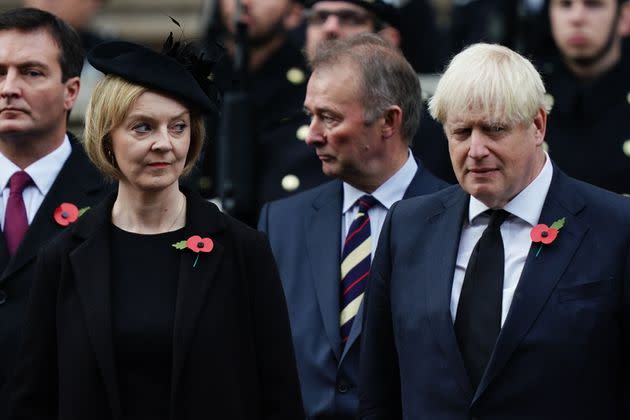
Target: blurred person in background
275,80
588,85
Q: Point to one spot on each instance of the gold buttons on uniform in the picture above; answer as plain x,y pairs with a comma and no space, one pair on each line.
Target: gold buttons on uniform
302,132
626,148
549,101
290,183
296,76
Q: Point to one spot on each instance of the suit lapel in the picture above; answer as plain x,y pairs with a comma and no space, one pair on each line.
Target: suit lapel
422,183
540,274
195,283
438,287
323,236
68,187
93,287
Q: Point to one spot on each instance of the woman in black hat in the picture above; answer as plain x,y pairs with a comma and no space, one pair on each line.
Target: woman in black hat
154,304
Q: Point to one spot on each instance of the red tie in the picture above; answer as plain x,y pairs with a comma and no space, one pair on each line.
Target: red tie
15,220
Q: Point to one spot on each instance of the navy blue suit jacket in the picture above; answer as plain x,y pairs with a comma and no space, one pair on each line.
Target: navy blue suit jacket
305,234
563,351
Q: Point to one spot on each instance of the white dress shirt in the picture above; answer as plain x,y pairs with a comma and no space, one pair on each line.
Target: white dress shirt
524,211
43,172
387,194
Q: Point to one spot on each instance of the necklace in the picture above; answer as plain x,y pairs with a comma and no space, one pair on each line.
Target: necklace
179,212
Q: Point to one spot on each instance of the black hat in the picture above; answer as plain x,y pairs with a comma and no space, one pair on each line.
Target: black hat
382,10
177,71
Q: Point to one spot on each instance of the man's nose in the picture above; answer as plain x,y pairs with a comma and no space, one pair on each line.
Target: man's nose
10,84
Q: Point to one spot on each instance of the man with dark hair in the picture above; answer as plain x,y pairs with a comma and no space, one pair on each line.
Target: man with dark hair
41,166
362,99
589,91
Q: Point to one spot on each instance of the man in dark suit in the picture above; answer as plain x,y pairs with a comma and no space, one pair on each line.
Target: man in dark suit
362,99
41,166
507,296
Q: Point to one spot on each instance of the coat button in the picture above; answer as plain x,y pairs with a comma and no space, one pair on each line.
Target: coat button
342,387
296,76
290,183
3,297
302,132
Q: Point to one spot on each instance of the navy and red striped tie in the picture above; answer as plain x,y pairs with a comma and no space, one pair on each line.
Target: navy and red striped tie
355,265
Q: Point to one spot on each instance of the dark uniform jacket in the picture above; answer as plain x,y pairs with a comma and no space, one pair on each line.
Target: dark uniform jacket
283,163
588,130
78,183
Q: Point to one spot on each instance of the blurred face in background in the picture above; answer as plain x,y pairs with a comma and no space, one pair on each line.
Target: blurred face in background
77,13
328,20
586,32
265,19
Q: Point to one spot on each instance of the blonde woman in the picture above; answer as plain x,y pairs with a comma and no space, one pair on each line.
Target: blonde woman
154,304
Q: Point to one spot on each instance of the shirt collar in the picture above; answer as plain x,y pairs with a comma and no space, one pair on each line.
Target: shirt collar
528,204
389,192
43,172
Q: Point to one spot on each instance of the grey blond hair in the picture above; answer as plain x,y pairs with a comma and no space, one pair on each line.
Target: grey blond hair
491,79
385,77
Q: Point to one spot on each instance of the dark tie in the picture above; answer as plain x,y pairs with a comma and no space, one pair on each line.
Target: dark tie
355,265
478,319
15,220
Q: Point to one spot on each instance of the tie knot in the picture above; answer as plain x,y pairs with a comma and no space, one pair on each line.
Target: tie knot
18,182
497,217
366,202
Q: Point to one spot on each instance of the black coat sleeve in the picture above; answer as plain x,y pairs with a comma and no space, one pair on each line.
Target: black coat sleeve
280,387
33,387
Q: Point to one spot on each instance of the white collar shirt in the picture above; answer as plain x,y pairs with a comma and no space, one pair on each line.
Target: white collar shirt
387,194
43,172
524,211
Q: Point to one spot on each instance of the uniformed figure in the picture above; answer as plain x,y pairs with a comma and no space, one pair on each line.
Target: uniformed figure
276,84
588,82
518,24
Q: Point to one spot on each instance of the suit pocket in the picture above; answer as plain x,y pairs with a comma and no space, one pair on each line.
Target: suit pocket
581,291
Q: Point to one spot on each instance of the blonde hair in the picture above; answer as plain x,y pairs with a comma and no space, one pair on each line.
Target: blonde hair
109,104
491,79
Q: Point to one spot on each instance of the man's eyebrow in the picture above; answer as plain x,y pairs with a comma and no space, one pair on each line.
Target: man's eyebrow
33,63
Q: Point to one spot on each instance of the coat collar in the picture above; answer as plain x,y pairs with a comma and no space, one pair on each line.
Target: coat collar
93,285
323,227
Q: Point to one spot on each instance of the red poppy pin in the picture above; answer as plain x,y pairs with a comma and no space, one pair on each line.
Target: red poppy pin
196,244
68,213
544,235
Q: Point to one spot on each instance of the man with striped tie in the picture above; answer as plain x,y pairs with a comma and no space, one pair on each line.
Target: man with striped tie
363,99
